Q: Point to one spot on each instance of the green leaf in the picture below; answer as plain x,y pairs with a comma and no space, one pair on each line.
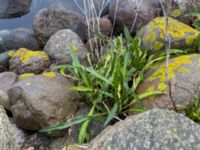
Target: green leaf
81,89
149,94
111,114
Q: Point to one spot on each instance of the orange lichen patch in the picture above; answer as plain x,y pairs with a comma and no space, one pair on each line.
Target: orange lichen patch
49,74
25,55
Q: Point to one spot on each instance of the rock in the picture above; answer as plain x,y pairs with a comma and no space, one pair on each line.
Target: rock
27,61
132,13
48,21
59,44
17,38
104,26
184,79
16,8
42,100
181,9
8,136
181,35
4,61
155,129
7,80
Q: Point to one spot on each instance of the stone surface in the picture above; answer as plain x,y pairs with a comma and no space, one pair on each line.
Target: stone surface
42,100
156,129
181,8
184,72
59,44
14,8
48,21
4,61
153,35
27,61
7,79
133,13
8,136
17,38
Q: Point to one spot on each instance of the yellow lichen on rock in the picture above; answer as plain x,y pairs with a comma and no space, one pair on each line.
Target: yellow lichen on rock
176,13
25,55
11,53
25,76
176,29
158,45
49,74
175,65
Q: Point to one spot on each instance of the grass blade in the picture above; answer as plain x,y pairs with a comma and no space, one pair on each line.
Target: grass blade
111,115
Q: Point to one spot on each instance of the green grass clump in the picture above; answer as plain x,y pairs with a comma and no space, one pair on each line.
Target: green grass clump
109,87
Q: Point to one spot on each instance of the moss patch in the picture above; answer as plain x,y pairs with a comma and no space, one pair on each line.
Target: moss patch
25,76
49,74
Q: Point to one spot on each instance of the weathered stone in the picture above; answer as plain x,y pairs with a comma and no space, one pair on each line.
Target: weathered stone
181,8
27,61
17,38
133,13
48,21
59,44
156,129
42,100
183,74
153,35
7,79
14,8
8,136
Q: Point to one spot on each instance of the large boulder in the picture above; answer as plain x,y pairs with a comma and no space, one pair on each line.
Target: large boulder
7,79
17,38
58,46
183,74
133,13
153,35
48,21
10,8
8,135
42,100
156,129
27,61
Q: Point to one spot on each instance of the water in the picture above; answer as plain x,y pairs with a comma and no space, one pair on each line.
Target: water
26,20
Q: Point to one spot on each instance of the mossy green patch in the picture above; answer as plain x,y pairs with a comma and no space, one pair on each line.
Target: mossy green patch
176,13
158,45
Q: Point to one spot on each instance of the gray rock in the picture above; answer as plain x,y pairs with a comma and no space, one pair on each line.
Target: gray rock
48,21
4,61
7,79
16,8
42,100
59,44
153,130
17,38
8,136
27,61
184,79
133,13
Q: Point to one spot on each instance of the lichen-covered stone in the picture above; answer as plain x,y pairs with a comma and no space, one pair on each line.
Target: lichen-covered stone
27,61
42,100
152,130
8,135
58,46
183,74
153,34
7,79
